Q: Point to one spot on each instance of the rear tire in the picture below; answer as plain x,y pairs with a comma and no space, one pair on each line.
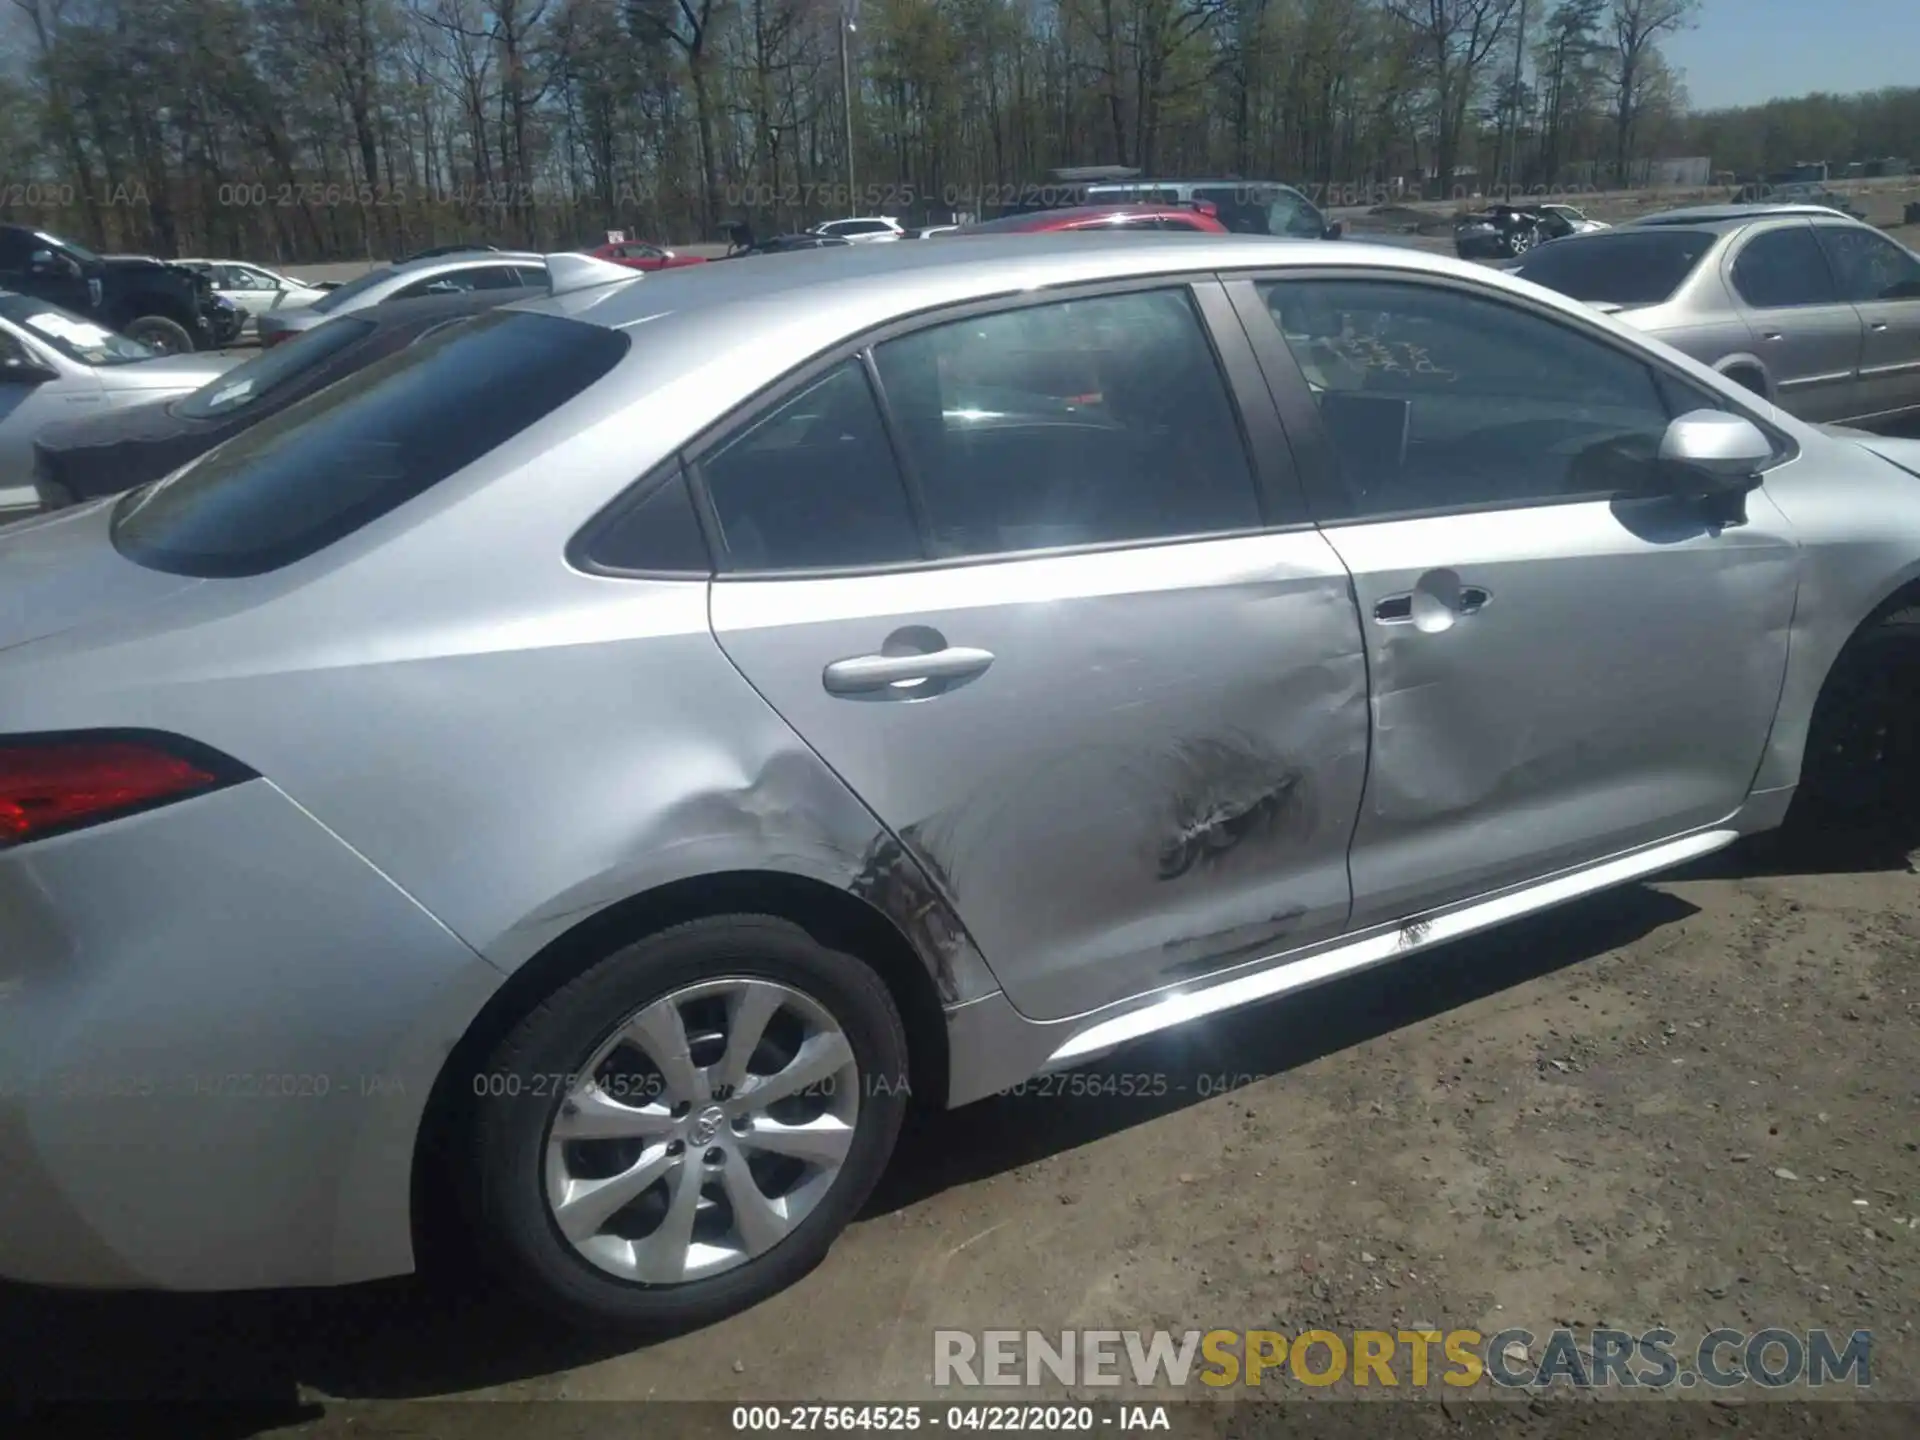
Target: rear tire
169,337
685,1173
1862,762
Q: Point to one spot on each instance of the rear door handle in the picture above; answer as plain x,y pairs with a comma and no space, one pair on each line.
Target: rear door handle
1878,325
1394,610
864,674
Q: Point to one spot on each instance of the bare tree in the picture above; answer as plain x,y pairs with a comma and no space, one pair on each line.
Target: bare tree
1637,28
1455,38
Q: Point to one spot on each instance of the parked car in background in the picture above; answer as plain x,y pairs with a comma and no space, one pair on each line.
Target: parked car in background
650,731
225,319
638,255
166,308
1133,219
1797,193
55,364
83,459
784,244
436,275
1575,220
432,252
1246,207
1818,313
1504,232
254,288
862,229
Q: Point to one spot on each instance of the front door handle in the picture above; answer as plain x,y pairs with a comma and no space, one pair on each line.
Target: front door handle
1435,605
1878,326
864,674
1472,598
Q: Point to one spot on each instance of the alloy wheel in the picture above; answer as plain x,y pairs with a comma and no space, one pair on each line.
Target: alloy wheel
702,1131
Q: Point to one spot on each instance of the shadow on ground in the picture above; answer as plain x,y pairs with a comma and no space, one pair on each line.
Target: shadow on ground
255,1354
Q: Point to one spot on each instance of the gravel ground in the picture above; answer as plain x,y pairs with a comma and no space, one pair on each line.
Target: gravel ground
1661,1106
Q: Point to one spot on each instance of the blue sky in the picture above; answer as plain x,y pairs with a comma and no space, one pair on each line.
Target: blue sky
1744,51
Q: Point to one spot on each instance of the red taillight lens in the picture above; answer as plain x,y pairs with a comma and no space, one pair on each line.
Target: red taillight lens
58,784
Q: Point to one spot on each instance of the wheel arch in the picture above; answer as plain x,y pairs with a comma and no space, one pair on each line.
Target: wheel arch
1732,366
832,915
1903,594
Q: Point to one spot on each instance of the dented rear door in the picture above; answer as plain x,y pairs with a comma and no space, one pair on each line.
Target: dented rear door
1125,764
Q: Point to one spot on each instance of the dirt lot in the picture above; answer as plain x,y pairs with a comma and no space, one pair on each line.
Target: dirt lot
1662,1106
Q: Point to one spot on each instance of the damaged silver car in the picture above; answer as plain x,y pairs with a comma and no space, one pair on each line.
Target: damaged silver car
589,766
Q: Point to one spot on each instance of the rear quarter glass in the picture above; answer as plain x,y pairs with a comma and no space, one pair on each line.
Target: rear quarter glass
337,460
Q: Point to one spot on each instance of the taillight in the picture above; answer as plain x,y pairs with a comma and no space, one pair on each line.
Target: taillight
50,784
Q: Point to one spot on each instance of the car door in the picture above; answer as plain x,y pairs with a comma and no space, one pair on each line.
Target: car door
1074,647
1559,672
1882,281
1806,334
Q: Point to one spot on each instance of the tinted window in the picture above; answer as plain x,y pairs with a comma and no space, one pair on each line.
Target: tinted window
16,248
352,290
658,534
1619,267
342,457
1084,422
1870,267
1779,268
814,484
1433,398
271,369
480,277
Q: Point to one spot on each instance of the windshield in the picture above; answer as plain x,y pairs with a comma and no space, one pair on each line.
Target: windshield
79,252
1618,267
347,454
74,336
353,289
271,369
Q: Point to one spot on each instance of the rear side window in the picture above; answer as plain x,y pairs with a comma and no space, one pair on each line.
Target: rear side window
1784,268
814,484
1870,266
339,459
271,369
1082,422
1622,268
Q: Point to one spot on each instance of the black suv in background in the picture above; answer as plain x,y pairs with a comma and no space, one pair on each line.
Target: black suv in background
164,306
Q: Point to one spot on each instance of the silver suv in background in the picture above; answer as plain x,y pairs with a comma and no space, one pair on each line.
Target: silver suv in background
1800,304
571,778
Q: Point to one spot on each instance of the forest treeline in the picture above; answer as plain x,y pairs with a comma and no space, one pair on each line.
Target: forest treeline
315,129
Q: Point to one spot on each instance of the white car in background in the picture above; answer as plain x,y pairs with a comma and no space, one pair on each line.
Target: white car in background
1578,220
863,229
55,365
254,288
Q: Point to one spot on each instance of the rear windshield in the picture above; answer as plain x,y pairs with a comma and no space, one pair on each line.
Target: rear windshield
352,290
269,370
346,455
1619,267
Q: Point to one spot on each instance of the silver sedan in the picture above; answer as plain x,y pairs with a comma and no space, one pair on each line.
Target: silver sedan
55,365
1802,304
569,781
435,275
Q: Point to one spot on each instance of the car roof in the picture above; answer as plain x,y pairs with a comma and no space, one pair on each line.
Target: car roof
838,289
464,257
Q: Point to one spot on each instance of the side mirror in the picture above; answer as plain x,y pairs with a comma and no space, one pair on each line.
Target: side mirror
1334,230
1719,453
